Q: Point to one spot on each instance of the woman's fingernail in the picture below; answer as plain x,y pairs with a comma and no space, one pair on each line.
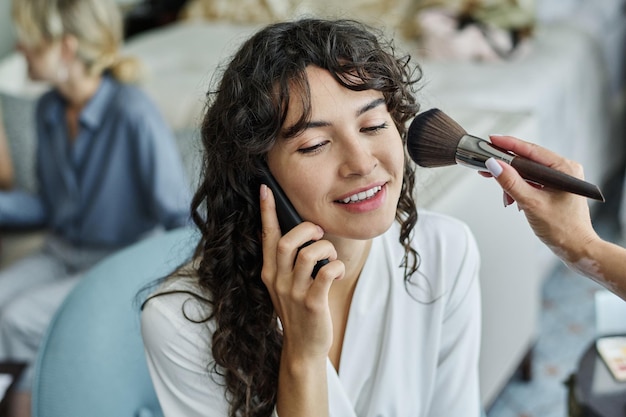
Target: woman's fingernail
263,193
496,134
505,200
494,167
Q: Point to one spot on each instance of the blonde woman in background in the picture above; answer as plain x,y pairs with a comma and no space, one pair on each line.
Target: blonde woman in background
108,169
6,165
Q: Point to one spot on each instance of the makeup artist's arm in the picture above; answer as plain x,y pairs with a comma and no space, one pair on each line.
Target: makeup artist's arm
561,220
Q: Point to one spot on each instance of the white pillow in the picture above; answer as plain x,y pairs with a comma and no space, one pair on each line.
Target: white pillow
14,78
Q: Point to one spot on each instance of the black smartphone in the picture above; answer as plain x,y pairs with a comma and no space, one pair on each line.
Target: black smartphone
288,217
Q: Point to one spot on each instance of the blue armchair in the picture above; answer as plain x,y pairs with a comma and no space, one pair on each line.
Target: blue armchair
91,362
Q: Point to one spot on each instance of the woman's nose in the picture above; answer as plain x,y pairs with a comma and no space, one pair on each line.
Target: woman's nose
357,157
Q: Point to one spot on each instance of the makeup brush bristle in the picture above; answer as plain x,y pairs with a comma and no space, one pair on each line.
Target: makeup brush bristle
432,139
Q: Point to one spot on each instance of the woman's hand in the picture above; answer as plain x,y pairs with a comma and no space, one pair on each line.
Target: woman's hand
300,301
560,219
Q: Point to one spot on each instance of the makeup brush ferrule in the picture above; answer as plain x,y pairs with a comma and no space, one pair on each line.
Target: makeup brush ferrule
473,152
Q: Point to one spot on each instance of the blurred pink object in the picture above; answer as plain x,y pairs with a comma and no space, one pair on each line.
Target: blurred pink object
441,38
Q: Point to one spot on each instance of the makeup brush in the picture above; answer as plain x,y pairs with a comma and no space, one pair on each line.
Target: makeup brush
434,140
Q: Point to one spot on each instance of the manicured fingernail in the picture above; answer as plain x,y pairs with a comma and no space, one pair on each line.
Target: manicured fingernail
505,200
263,193
494,167
496,134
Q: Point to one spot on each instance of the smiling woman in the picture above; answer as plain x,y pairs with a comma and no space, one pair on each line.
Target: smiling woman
391,324
352,147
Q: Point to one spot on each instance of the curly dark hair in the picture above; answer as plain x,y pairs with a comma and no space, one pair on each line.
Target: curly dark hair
243,118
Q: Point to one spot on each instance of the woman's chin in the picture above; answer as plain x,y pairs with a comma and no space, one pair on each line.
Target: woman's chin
366,231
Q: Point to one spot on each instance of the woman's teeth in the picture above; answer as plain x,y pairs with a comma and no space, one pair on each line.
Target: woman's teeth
364,195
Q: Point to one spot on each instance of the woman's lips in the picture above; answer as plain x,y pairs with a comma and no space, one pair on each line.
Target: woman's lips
362,195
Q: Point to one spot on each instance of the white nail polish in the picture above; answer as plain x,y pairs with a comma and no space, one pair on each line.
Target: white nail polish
494,167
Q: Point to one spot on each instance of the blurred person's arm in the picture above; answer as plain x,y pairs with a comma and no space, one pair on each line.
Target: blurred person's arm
6,164
161,169
561,220
20,210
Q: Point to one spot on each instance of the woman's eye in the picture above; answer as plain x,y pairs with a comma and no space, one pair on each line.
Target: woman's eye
312,149
374,129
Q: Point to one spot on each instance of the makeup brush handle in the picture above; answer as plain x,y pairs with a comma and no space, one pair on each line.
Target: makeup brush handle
549,177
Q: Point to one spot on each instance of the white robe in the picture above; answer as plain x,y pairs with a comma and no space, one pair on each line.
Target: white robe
408,351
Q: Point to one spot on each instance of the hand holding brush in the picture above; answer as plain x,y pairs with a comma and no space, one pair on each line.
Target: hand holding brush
434,139
560,219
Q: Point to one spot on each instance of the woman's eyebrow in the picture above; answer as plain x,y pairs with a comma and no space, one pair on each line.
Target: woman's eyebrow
289,133
369,106
292,132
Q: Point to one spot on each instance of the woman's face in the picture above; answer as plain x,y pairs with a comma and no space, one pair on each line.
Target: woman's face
344,172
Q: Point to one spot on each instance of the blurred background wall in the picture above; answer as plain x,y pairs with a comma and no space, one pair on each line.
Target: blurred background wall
7,39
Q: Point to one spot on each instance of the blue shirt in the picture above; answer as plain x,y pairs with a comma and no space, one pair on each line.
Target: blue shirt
120,178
